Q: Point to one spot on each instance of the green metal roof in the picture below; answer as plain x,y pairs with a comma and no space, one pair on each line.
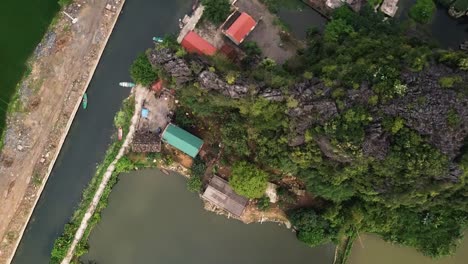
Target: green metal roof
182,140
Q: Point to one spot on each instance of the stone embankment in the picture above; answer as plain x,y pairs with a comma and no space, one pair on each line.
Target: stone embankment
139,93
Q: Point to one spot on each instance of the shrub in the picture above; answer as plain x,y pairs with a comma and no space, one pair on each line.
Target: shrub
251,48
248,180
263,203
64,3
141,71
216,11
312,229
449,81
194,184
422,11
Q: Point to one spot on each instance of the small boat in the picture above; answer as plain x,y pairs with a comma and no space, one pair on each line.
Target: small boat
85,101
126,84
120,133
158,39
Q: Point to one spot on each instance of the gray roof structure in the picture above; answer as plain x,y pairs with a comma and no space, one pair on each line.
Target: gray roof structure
222,195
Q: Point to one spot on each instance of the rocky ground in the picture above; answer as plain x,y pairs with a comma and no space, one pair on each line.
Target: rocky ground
62,66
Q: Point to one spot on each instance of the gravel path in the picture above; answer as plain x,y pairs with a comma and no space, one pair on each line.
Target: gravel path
140,93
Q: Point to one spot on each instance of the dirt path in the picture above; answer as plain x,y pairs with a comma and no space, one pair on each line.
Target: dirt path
62,68
140,93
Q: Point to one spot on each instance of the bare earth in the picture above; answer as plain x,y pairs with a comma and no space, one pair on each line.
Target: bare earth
62,67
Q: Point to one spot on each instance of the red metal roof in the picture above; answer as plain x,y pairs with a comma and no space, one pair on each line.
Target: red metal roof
241,27
192,42
157,86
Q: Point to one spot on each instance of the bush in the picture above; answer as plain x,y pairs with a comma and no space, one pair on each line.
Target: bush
449,81
194,184
312,229
251,48
216,11
142,72
263,203
64,3
248,180
422,11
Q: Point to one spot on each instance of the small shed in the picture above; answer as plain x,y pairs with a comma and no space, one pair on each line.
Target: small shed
193,43
223,196
238,26
389,7
182,140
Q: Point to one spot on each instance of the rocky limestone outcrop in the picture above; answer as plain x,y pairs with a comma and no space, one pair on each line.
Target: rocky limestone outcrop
426,108
176,67
313,108
270,94
212,82
376,142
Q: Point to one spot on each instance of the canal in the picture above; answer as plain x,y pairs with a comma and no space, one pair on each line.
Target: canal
152,218
90,133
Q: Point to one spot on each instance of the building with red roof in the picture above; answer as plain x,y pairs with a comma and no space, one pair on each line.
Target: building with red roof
238,26
193,43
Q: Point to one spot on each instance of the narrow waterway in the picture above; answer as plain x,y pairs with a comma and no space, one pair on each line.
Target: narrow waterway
371,249
152,218
90,133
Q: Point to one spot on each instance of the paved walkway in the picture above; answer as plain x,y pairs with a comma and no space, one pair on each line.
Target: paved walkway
140,92
192,22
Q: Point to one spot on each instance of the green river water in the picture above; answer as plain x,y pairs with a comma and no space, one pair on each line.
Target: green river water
152,218
22,25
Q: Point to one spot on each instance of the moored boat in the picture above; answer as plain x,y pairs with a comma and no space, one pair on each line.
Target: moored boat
85,101
126,84
158,39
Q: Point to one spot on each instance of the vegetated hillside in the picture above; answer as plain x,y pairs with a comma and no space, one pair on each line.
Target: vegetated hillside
372,121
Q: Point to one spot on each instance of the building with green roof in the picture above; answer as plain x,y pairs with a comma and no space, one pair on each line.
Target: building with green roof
182,140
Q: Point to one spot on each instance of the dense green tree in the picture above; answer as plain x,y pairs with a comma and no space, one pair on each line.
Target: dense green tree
312,228
216,11
248,180
141,71
423,11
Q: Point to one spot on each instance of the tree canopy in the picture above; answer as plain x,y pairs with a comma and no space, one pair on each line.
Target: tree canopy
142,72
248,180
361,149
216,11
423,11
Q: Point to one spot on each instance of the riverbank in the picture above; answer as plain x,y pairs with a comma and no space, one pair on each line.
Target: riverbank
48,100
20,35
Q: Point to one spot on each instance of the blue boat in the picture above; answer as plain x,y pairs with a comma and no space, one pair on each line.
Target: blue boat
158,39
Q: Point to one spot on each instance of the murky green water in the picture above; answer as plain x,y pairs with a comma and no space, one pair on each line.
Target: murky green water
152,218
22,25
371,250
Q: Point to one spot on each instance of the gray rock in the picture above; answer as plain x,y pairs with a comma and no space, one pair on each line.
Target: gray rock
212,82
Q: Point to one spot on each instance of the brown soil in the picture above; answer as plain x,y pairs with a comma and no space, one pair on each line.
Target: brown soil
49,98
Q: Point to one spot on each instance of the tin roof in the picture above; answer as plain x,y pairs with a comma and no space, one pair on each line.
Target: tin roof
193,43
222,195
241,28
182,140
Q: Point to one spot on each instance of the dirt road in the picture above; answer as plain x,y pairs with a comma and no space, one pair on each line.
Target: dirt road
62,68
